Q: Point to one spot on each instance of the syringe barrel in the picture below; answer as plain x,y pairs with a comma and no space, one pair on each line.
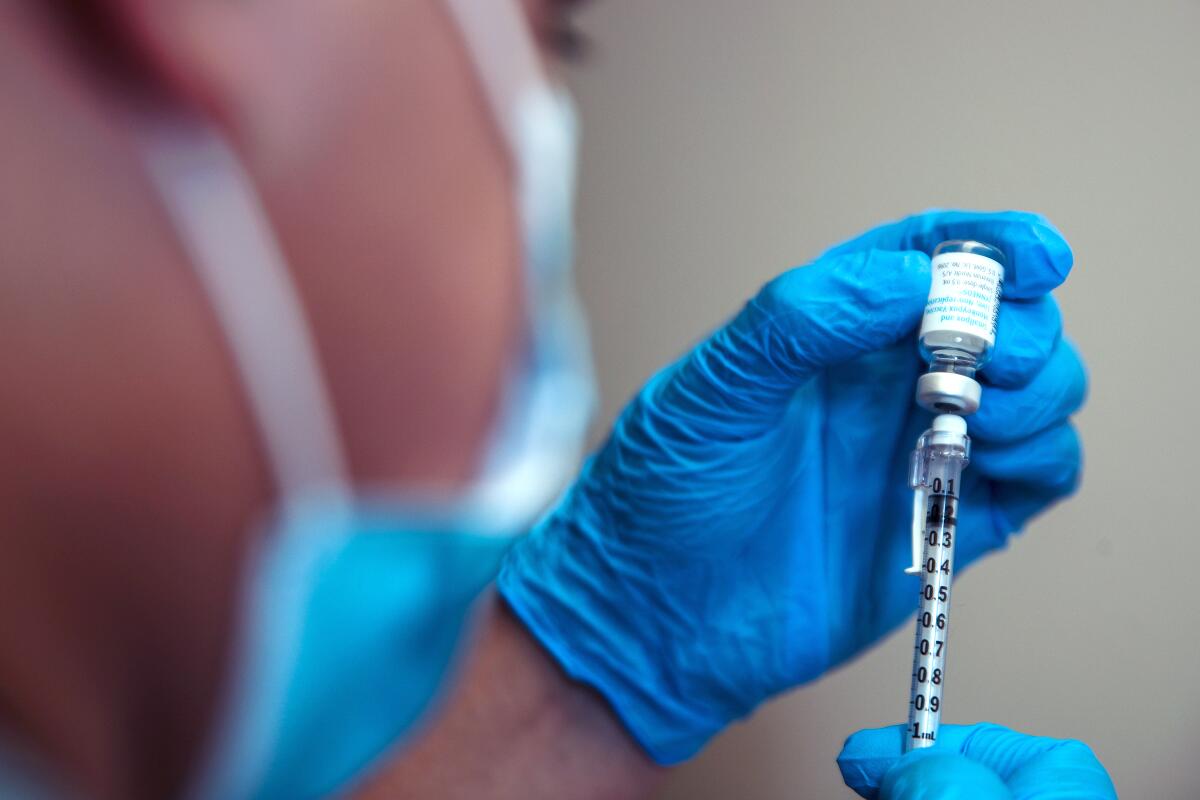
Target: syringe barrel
941,486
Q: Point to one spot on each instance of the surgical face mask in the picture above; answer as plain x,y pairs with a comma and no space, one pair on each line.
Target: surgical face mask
356,597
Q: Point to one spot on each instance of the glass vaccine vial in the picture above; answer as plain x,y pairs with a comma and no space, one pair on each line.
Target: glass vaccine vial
958,329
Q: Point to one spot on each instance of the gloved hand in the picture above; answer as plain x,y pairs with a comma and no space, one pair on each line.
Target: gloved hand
746,525
972,762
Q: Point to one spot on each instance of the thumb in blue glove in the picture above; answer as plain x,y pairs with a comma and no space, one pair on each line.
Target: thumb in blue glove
972,762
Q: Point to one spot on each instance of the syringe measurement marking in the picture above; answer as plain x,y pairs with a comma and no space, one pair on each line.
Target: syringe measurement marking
928,673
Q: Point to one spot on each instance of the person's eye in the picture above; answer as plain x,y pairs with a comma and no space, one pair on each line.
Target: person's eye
562,33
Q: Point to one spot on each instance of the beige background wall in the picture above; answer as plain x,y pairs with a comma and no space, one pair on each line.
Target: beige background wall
726,141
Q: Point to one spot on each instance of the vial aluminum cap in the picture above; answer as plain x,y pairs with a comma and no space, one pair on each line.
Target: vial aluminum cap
948,393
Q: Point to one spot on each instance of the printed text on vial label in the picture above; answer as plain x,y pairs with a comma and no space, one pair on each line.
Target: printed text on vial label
965,295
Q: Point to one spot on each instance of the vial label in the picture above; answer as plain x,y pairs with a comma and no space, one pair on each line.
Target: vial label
964,297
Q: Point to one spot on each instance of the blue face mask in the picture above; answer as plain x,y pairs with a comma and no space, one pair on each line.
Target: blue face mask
355,599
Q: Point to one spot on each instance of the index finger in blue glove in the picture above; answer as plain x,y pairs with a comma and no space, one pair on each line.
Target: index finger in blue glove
1038,255
1032,767
807,319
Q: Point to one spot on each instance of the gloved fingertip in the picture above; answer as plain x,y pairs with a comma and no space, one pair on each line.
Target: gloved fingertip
938,774
867,755
1038,254
1060,257
1040,257
874,742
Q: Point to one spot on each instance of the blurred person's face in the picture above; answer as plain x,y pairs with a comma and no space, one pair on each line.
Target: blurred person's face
365,131
365,126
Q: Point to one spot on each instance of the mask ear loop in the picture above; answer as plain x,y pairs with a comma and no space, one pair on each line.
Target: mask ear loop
505,56
225,232
550,394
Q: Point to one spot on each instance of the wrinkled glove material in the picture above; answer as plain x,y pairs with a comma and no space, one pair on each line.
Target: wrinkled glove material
745,526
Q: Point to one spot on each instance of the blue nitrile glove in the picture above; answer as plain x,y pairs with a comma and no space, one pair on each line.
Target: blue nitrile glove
973,762
747,523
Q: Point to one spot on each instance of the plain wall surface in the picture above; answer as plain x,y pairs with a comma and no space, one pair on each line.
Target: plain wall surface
725,142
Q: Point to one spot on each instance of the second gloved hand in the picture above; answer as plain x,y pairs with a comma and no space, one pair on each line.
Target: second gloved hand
972,762
746,525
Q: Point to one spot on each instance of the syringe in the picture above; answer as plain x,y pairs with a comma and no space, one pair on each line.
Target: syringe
958,332
936,477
